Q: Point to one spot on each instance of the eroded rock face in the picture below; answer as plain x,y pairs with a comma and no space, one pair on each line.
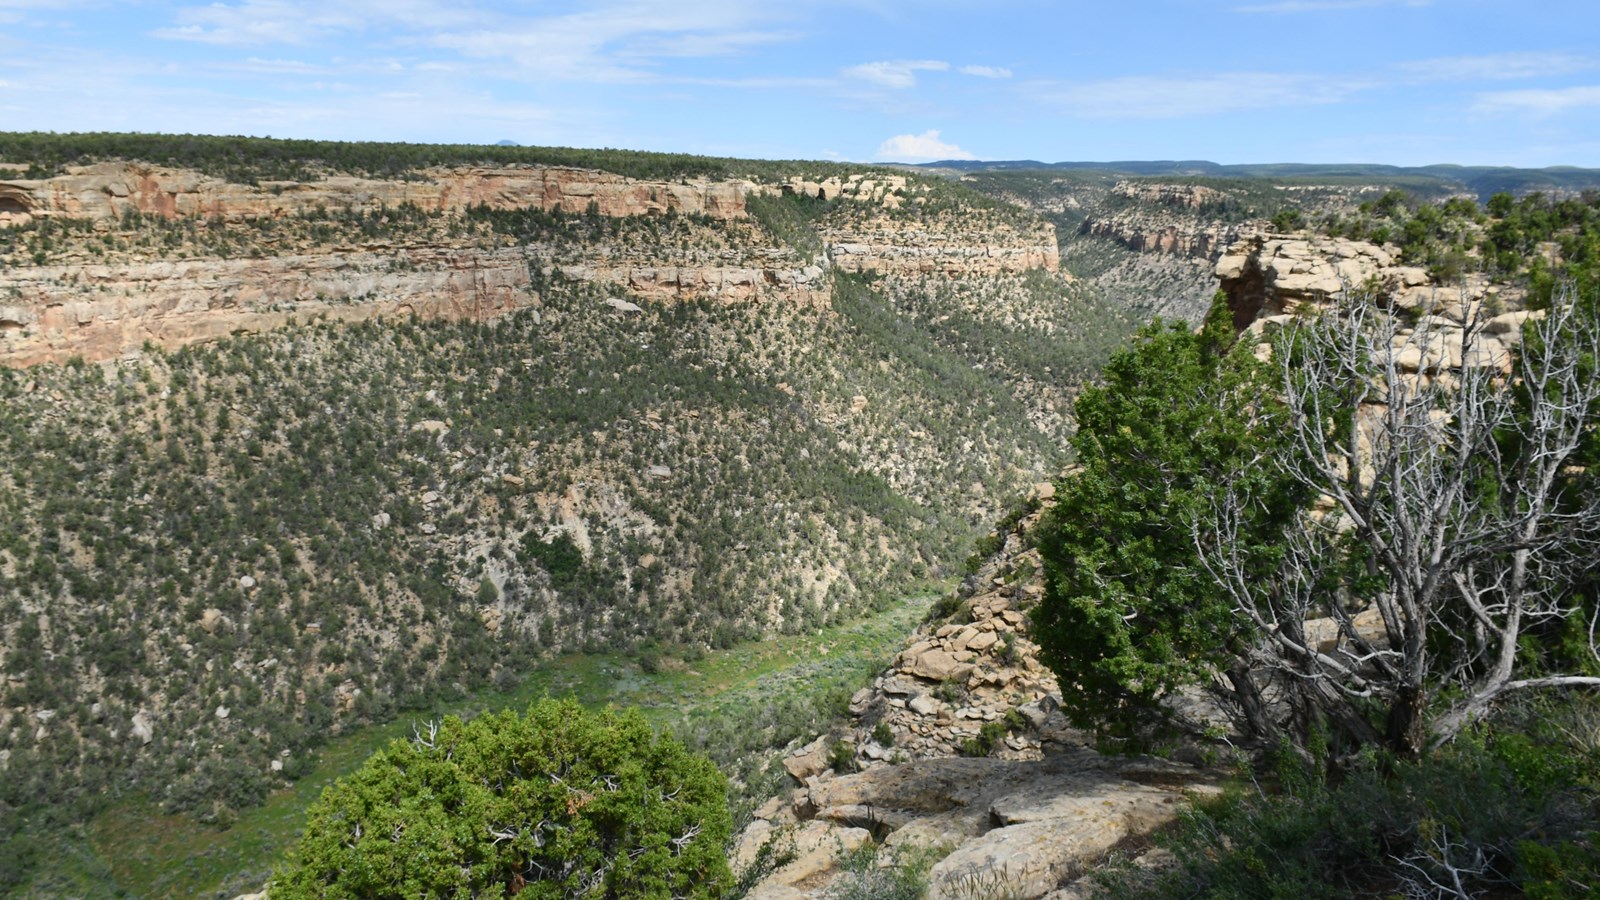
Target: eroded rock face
1023,821
114,189
96,306
1144,234
1269,281
1027,825
888,247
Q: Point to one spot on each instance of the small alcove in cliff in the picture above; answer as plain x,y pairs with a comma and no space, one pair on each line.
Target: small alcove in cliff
14,201
1246,292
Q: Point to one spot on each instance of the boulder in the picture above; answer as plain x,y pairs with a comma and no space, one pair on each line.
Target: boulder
935,664
211,619
818,846
812,759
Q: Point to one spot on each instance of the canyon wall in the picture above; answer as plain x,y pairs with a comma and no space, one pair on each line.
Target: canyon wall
100,312
1142,233
83,302
114,189
886,246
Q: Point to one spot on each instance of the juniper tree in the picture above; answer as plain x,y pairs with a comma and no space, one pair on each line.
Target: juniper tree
552,804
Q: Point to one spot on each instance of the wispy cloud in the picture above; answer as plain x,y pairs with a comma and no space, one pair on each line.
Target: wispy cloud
985,71
615,41
277,67
920,147
895,74
1300,6
265,22
1497,66
1190,96
1536,103
607,40
42,4
259,22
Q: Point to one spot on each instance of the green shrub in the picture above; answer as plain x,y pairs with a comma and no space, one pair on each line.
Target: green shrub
560,556
1388,827
551,804
902,876
985,741
883,734
842,757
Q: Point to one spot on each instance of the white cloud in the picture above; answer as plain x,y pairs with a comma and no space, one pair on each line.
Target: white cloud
1537,104
1497,66
702,45
897,74
1176,96
599,40
917,147
616,40
277,67
986,71
259,22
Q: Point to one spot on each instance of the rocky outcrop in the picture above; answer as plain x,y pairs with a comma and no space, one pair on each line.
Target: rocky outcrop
887,246
114,189
1181,196
888,191
1268,281
1023,814
1022,827
102,311
84,300
1145,234
1152,217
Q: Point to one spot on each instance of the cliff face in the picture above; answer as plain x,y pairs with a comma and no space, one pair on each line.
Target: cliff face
98,303
1270,276
886,246
99,312
1200,221
1173,219
115,189
1145,234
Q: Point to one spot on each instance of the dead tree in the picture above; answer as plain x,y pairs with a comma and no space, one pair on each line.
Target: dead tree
1452,506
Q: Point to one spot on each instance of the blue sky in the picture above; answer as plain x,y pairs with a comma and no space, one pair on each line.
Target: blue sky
1407,82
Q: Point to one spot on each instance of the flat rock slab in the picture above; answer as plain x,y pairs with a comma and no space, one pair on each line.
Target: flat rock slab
1019,827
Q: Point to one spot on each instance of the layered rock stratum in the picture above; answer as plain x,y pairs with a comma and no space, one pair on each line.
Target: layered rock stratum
96,301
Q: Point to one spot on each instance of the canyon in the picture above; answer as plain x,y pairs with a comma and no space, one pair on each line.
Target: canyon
295,458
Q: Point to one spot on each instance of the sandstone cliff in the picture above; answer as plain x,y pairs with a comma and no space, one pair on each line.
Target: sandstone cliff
887,246
1201,221
1473,322
114,189
107,294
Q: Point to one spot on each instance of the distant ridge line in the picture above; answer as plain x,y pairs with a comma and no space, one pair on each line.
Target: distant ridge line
1484,181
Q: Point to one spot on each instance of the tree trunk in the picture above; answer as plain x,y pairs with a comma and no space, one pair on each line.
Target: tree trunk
1407,732
1249,697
